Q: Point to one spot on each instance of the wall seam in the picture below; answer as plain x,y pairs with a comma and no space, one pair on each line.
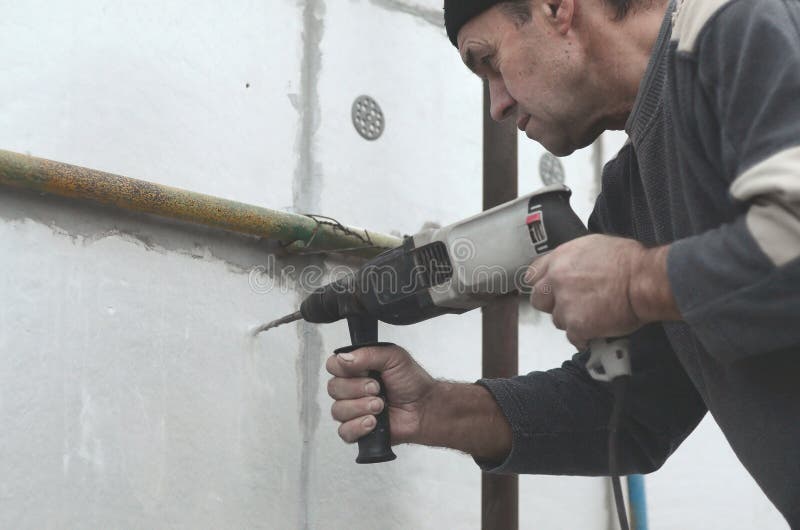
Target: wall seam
306,199
435,17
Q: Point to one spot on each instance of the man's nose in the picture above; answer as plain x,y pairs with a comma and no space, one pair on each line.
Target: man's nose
502,104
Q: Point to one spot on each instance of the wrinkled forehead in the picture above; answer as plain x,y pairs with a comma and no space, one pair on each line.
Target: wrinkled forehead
457,13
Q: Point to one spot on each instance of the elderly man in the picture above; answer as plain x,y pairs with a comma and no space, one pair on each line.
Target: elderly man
694,251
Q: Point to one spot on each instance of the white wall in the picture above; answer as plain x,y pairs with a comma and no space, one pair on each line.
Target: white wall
131,395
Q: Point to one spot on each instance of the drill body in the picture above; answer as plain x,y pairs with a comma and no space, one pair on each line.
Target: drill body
454,269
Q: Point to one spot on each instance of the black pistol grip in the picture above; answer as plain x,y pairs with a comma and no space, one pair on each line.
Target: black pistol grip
376,446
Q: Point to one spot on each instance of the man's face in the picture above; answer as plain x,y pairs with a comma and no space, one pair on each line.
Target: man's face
536,73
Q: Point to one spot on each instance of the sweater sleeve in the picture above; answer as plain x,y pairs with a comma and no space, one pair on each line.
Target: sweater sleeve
738,286
559,417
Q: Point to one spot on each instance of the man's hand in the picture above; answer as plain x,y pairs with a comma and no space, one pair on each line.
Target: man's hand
601,286
407,388
422,410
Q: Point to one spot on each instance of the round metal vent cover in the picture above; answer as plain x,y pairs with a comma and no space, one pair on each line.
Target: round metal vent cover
551,170
368,117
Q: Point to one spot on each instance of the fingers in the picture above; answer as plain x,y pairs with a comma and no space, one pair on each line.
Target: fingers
357,416
359,362
541,290
355,394
542,297
538,269
574,328
576,340
343,388
354,429
350,409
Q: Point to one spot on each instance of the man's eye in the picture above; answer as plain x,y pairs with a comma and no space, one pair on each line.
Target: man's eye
488,61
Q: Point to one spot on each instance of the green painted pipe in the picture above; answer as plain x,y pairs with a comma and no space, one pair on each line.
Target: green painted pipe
300,233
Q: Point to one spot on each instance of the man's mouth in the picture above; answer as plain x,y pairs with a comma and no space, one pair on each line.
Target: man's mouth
522,121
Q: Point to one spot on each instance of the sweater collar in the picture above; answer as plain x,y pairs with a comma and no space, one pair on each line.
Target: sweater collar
651,88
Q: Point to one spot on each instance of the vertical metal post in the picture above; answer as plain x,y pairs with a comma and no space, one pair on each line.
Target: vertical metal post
499,493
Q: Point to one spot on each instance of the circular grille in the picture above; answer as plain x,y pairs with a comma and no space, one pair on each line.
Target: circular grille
368,118
551,170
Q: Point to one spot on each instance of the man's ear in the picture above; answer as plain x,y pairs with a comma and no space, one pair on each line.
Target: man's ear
559,13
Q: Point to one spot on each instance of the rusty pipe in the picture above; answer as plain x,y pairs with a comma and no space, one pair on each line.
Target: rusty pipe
301,233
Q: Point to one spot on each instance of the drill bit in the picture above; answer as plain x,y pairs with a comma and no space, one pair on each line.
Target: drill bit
275,323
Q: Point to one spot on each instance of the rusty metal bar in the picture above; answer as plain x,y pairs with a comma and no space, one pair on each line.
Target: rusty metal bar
301,233
499,493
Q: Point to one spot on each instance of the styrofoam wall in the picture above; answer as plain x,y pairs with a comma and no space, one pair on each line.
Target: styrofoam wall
131,395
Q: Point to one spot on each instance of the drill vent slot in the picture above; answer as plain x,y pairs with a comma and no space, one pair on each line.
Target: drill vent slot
432,264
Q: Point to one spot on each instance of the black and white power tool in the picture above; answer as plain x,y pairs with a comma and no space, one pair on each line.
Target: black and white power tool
452,269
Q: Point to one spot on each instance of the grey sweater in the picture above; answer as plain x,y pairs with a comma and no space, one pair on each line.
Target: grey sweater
712,168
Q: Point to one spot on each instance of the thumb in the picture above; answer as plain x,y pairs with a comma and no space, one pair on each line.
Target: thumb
358,362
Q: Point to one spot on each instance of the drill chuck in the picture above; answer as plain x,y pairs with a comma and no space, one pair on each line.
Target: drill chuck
324,305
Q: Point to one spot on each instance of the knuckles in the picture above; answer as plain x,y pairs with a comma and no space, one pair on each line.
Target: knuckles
329,364
343,434
346,409
577,341
560,273
336,411
339,411
332,387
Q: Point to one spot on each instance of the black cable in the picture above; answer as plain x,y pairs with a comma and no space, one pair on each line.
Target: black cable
619,386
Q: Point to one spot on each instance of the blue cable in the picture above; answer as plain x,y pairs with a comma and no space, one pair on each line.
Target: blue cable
638,502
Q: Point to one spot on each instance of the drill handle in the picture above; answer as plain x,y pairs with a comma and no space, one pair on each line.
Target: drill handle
363,330
377,445
609,358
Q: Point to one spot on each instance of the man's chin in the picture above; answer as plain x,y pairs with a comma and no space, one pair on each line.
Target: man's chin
561,151
558,147
563,146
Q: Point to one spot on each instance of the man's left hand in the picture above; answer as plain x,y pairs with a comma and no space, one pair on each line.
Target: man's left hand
600,286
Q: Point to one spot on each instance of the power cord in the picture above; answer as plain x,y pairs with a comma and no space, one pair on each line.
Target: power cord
619,387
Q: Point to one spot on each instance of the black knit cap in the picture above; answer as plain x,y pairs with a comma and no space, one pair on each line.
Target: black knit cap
459,12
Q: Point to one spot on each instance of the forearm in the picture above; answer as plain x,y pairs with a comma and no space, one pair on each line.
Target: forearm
465,417
560,416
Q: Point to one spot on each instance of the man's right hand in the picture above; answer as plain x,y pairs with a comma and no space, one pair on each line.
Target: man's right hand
408,388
